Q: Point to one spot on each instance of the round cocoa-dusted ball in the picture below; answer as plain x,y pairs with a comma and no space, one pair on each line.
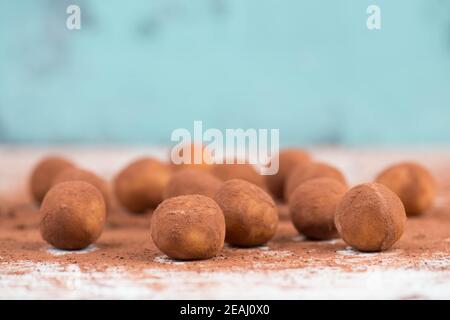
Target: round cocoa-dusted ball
188,227
139,186
370,217
43,174
72,215
288,160
192,181
312,206
244,171
251,216
413,183
308,171
77,174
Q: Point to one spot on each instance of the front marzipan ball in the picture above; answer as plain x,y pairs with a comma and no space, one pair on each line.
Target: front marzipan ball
251,216
140,185
288,160
370,217
414,185
191,181
77,174
43,174
72,215
311,170
190,227
312,207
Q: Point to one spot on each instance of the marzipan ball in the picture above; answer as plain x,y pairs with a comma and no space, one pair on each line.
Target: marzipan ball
244,171
77,174
251,216
312,206
44,173
140,185
72,215
288,160
188,227
308,171
414,185
191,181
370,217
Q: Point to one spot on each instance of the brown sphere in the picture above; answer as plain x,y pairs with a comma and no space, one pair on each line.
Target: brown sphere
244,171
251,216
206,160
191,181
308,171
43,174
139,186
288,160
413,183
72,215
370,217
188,227
77,174
312,206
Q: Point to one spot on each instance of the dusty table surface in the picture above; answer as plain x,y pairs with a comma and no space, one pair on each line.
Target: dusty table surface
125,264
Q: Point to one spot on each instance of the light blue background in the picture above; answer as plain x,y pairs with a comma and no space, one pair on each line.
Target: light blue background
139,69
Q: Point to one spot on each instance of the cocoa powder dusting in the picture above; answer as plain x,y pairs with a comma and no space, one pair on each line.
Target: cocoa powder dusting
126,242
126,245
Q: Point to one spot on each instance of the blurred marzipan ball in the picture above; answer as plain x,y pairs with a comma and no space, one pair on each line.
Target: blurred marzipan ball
244,171
312,206
251,216
413,183
307,171
199,157
370,217
43,174
192,181
288,160
72,215
77,174
188,227
140,185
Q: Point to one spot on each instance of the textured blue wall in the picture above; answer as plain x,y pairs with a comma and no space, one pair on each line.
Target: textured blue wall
139,69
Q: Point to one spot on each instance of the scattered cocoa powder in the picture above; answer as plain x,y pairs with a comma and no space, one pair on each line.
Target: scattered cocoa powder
126,242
